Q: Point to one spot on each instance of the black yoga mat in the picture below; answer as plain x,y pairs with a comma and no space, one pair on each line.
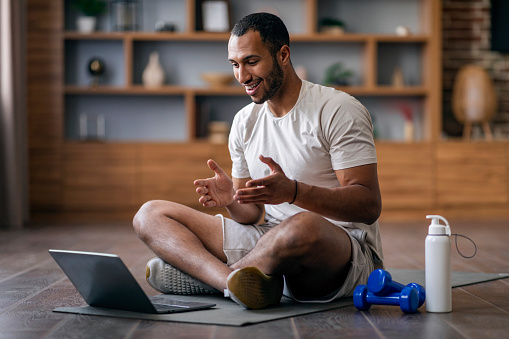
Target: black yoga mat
229,313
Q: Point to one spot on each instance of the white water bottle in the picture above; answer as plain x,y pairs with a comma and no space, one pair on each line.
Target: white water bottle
438,266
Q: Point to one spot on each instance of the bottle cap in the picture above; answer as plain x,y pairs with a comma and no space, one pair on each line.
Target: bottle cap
436,228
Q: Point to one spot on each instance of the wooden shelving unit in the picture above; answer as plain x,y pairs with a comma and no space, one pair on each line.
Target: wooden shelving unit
427,38
145,157
69,176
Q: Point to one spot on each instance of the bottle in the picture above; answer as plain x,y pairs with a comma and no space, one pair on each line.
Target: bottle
397,77
438,266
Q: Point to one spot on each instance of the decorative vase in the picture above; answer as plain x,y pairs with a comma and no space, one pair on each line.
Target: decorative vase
86,24
153,75
474,99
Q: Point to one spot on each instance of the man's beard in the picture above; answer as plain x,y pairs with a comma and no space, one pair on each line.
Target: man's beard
275,80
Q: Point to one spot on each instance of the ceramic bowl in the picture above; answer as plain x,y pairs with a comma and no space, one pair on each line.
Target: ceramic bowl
215,79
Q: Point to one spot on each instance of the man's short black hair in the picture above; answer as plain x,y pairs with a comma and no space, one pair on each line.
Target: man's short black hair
271,28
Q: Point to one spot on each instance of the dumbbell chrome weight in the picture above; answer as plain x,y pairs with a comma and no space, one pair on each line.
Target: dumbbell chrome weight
407,299
380,283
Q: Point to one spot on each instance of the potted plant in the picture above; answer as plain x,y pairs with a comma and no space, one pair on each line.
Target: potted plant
332,26
89,10
337,75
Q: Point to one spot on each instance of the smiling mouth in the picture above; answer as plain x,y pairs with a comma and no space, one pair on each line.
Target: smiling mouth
251,89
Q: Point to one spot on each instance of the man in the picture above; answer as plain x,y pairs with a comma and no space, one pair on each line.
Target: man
303,199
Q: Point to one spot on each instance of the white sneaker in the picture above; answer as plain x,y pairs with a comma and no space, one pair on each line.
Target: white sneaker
165,278
251,288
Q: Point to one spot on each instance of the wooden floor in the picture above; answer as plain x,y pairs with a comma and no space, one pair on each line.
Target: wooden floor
31,285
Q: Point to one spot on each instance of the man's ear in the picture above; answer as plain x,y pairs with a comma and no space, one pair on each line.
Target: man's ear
284,55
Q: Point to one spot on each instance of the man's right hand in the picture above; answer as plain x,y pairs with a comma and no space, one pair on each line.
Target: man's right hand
216,191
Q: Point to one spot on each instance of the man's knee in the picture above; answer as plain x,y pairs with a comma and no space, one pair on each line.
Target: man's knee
299,234
146,215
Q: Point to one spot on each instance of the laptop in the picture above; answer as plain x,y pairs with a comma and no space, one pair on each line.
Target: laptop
104,281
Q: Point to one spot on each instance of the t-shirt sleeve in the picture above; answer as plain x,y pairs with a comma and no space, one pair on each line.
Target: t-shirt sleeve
236,148
350,135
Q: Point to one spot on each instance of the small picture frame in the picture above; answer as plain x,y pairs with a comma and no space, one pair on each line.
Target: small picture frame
215,15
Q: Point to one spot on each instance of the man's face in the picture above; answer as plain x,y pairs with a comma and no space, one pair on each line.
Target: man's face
254,66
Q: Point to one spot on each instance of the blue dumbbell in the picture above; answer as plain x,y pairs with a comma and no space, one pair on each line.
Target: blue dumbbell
407,299
380,283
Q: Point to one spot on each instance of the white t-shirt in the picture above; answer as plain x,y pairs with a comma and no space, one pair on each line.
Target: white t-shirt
326,130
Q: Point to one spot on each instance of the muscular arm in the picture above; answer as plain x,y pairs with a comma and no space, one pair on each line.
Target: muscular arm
357,200
243,213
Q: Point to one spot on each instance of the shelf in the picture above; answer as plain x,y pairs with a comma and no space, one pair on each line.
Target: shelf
124,90
71,35
223,37
164,90
230,90
385,91
360,37
147,36
402,39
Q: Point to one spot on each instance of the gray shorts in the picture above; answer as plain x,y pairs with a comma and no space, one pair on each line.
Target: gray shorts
239,240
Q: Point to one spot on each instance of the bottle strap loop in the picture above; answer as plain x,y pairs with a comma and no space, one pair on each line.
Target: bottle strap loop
456,235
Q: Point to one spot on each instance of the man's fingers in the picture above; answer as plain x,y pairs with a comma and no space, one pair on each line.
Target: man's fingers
214,166
274,166
202,190
255,183
200,182
210,203
253,200
252,190
206,200
250,193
